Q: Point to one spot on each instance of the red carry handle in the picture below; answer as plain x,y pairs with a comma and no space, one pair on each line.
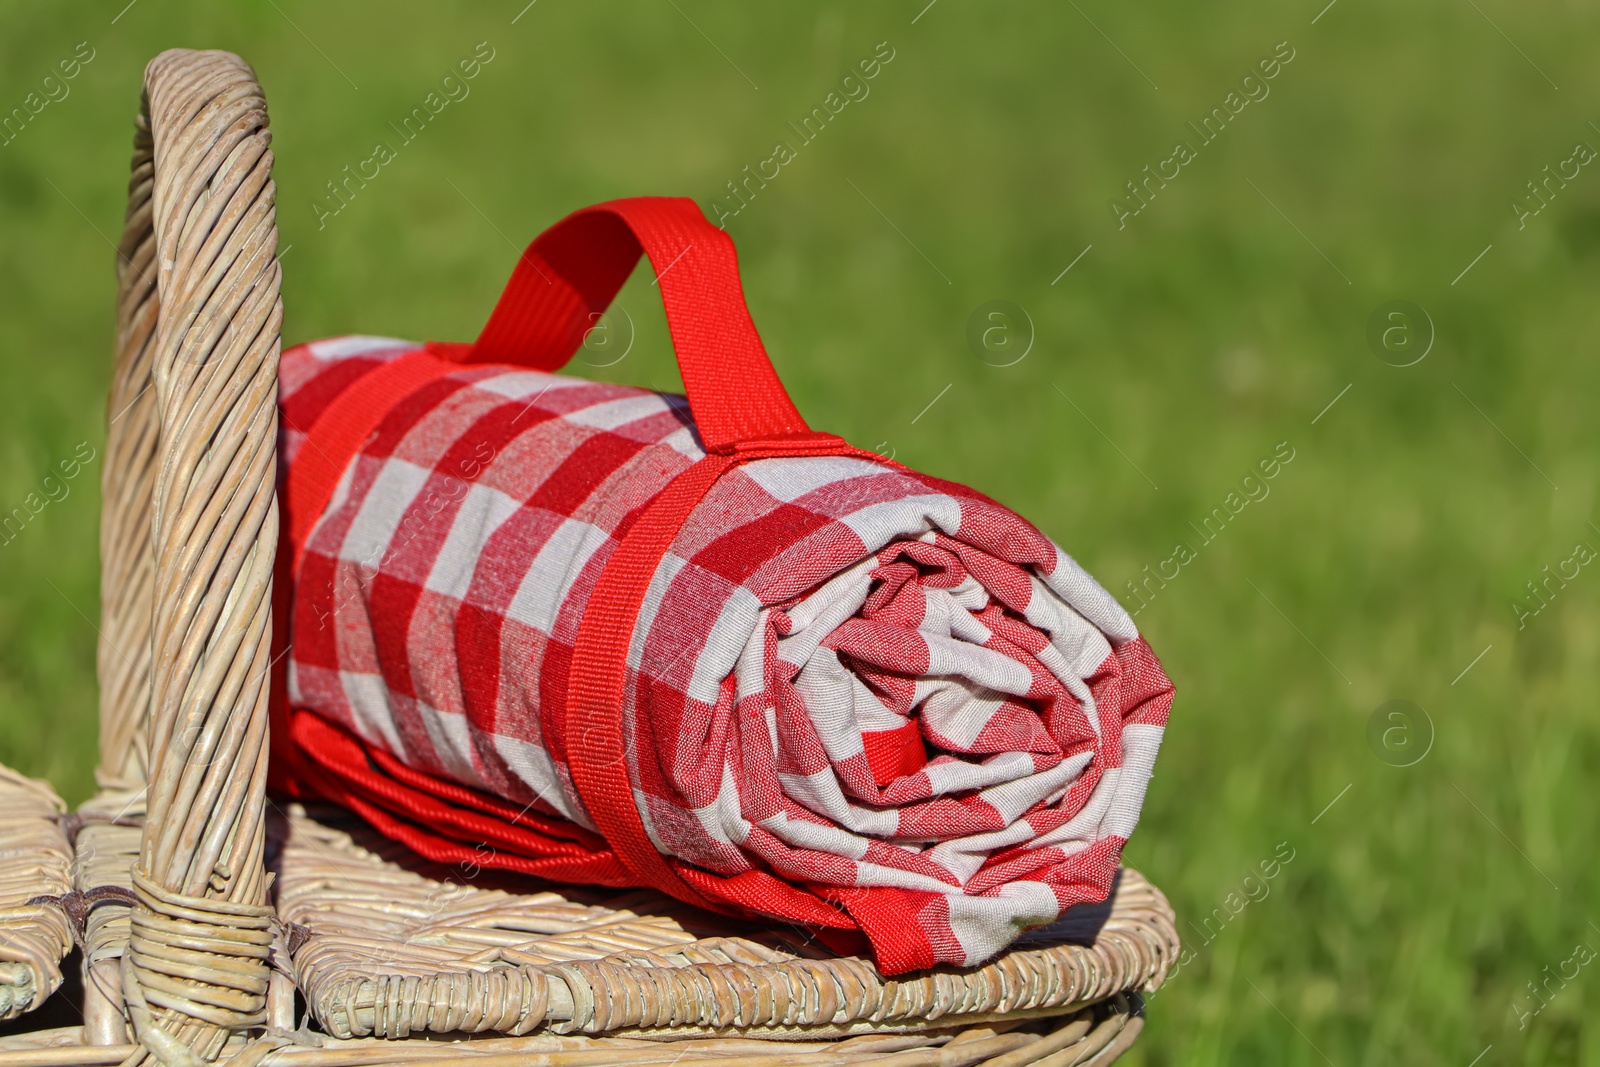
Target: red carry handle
571,272
567,276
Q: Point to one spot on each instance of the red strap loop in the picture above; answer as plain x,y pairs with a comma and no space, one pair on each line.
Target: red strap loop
565,279
571,272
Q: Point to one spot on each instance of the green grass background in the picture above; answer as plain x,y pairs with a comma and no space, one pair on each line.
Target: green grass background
1387,556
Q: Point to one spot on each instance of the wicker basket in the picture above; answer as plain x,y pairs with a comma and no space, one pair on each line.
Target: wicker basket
215,925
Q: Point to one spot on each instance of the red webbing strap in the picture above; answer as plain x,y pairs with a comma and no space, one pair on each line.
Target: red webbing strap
567,276
597,678
888,916
596,751
571,272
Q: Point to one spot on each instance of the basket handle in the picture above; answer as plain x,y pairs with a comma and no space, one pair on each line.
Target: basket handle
188,540
571,272
127,484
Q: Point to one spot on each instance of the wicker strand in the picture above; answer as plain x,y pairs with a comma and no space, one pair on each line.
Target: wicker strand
127,484
35,870
201,955
107,848
196,966
1093,1036
395,952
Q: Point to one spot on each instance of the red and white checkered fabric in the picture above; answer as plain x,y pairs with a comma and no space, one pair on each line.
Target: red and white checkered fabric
871,683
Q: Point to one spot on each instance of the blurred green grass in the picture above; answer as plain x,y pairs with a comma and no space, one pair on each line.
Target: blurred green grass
1212,327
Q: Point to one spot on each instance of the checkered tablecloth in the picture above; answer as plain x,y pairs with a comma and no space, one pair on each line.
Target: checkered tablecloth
883,692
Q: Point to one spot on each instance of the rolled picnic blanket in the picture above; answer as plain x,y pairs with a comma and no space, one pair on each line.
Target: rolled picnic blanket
603,635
